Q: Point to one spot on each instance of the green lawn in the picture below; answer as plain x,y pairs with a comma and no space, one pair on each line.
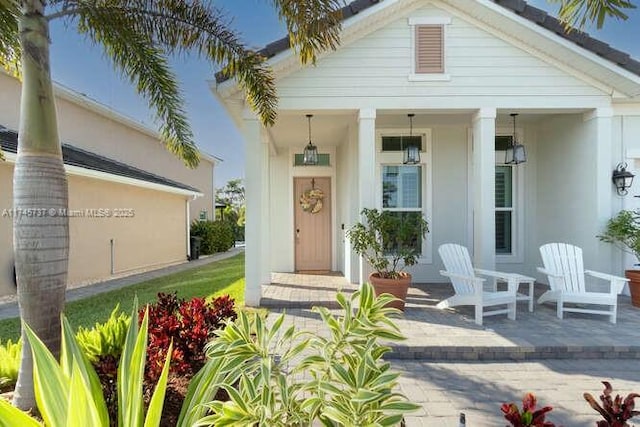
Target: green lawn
215,279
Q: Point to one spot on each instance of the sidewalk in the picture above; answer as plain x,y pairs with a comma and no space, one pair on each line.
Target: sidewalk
9,307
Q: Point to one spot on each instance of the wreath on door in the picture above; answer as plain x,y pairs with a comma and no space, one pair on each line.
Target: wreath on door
311,200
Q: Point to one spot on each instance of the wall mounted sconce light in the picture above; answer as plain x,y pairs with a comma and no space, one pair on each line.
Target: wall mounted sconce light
622,179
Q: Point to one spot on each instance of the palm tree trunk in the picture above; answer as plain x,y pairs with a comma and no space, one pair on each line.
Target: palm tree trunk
40,198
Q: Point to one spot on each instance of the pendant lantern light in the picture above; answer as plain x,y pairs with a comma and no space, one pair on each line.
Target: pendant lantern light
515,153
310,157
411,151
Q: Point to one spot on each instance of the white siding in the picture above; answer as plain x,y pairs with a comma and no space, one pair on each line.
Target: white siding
480,65
566,209
281,213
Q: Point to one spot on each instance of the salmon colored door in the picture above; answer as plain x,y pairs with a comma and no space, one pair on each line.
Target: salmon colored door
312,200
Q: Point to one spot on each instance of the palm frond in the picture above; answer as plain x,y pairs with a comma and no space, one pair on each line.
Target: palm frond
313,25
9,42
578,13
134,53
175,27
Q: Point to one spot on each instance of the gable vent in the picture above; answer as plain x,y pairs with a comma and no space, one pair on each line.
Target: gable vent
429,49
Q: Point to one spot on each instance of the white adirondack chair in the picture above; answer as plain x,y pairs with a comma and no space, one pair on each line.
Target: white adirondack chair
469,288
564,268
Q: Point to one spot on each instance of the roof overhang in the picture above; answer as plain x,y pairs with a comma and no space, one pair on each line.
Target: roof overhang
116,179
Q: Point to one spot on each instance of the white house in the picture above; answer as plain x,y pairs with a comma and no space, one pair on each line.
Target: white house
462,67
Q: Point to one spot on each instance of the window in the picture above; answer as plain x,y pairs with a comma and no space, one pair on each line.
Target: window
509,191
428,43
504,209
399,143
405,190
402,194
323,159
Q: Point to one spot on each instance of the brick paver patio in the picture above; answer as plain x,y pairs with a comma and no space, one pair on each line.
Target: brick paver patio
452,365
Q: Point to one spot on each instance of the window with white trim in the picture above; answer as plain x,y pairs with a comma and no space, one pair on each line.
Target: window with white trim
428,38
504,210
405,190
508,204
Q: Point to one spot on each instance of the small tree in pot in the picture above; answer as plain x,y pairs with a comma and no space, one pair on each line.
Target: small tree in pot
623,231
389,242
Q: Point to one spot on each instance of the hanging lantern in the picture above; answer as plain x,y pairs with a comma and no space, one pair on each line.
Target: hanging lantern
515,153
411,151
310,156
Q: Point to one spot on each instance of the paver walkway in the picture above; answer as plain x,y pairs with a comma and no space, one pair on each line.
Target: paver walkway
451,365
479,388
9,305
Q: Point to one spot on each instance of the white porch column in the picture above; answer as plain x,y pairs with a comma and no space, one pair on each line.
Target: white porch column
257,218
366,168
484,168
599,121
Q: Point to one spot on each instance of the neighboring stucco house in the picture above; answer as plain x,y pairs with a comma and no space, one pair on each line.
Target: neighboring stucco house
462,67
116,167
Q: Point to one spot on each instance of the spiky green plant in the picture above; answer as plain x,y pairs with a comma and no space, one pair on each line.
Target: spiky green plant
105,339
9,363
277,376
69,393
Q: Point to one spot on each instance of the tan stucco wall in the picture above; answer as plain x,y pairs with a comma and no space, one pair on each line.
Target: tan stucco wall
153,237
87,129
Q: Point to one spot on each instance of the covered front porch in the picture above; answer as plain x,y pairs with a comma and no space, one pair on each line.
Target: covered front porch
461,185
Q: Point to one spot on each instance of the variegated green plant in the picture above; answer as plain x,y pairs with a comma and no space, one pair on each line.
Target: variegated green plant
105,339
9,363
69,393
277,376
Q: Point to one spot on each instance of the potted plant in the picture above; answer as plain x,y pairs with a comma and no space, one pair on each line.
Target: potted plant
623,230
389,242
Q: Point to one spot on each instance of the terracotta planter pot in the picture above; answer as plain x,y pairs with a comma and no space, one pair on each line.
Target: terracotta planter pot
634,286
396,287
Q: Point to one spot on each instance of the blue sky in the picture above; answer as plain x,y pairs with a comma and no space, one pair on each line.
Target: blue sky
78,65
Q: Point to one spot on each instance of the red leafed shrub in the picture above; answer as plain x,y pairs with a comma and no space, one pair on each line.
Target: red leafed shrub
530,416
616,412
190,324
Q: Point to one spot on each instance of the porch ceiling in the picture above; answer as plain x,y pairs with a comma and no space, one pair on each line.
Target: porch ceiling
331,129
327,129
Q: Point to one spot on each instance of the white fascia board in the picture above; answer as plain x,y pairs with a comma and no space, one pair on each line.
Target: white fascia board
118,179
546,33
210,157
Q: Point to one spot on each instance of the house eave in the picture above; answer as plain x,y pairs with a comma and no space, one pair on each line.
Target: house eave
117,179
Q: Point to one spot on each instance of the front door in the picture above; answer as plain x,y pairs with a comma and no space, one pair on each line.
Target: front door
312,228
